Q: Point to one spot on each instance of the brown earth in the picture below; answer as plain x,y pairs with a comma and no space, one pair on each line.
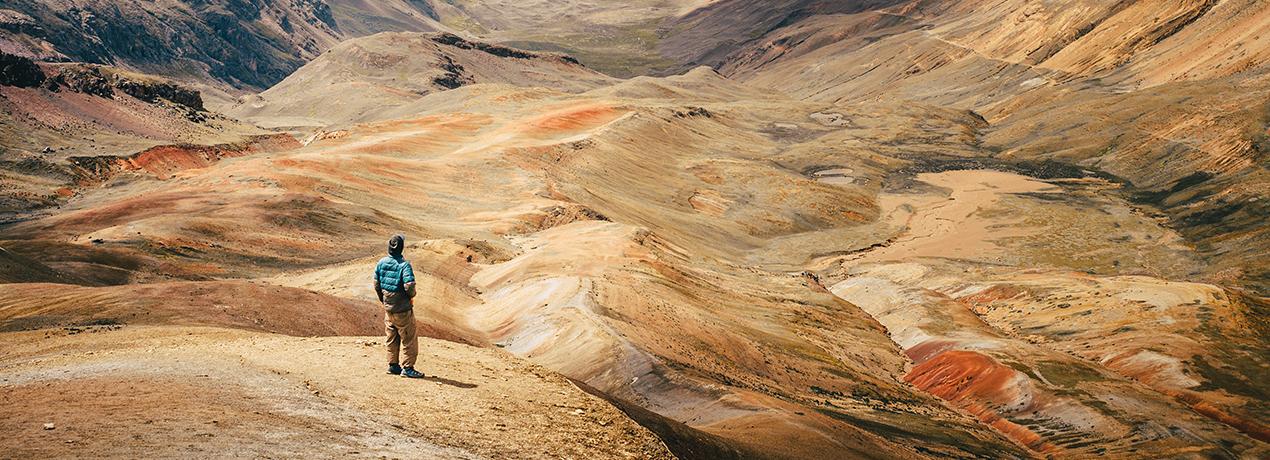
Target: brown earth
879,230
530,294
112,391
85,124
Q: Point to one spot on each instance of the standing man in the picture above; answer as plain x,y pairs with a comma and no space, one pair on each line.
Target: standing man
395,286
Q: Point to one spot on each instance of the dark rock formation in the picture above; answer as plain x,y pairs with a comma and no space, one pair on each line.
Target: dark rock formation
153,91
82,79
453,77
103,82
500,51
19,71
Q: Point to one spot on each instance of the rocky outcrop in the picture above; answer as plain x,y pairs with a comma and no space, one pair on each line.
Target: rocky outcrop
500,51
19,71
82,79
153,91
453,76
103,82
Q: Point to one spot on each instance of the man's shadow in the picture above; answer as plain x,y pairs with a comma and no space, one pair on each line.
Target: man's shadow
445,381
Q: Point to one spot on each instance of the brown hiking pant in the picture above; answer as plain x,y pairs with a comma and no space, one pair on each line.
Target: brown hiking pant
400,328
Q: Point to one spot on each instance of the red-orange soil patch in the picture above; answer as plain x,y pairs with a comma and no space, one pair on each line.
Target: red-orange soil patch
572,119
165,160
976,383
1253,428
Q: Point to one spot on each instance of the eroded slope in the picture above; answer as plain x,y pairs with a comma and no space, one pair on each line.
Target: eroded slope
768,262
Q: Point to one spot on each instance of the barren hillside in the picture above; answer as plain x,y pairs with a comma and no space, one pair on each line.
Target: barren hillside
892,229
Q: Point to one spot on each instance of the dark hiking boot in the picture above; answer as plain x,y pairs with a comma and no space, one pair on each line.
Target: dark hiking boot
394,369
411,373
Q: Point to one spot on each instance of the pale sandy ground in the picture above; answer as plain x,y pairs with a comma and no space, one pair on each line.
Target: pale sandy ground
948,226
146,391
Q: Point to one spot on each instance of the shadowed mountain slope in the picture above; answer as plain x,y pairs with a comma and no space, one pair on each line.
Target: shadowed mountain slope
240,43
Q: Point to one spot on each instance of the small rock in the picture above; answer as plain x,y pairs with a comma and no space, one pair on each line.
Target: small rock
49,426
578,412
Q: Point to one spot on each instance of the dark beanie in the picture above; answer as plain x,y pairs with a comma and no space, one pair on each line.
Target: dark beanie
395,244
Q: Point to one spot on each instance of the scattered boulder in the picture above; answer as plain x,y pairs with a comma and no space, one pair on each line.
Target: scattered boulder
693,112
453,76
